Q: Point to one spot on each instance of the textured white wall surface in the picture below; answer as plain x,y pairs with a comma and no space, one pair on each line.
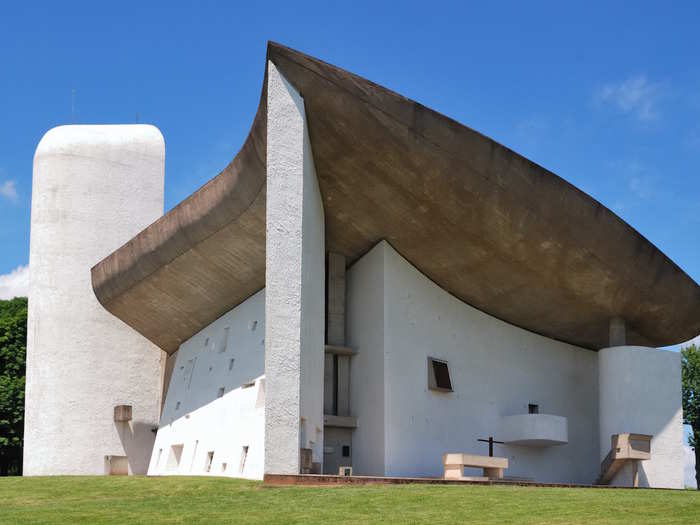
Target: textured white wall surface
94,187
295,302
640,392
497,370
365,333
209,406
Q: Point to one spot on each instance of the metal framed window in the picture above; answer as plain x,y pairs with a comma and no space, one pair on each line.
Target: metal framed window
439,375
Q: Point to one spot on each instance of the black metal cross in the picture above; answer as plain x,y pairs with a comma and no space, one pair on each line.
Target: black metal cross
490,441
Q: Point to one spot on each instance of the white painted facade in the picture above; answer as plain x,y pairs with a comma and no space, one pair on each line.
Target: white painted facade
246,393
295,289
213,421
94,188
640,392
397,318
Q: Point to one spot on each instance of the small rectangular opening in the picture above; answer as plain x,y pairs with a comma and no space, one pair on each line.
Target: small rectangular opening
221,391
346,451
230,364
209,461
177,406
223,466
533,408
439,375
116,465
224,341
244,456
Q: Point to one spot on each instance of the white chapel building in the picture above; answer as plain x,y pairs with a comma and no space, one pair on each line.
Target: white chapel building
368,284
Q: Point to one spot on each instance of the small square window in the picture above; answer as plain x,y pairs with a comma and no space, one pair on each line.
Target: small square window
532,408
439,375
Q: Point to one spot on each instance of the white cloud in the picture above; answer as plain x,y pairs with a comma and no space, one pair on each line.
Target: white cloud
15,283
8,190
635,96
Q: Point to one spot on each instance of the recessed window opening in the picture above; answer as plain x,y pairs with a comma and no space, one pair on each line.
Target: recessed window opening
223,466
230,364
439,375
206,342
533,408
244,456
209,461
346,451
174,457
224,341
221,392
194,454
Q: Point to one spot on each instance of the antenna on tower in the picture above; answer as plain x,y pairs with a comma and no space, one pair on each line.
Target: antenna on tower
72,106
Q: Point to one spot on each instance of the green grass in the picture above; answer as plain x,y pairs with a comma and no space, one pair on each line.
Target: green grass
212,500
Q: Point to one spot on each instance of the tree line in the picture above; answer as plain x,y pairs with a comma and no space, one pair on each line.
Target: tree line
13,350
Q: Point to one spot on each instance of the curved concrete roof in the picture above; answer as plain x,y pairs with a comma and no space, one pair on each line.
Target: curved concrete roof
489,226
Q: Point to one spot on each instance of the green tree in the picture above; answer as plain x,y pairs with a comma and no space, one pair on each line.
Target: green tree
690,375
13,349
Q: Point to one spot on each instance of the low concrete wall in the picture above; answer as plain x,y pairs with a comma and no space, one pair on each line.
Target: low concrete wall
640,392
227,355
94,188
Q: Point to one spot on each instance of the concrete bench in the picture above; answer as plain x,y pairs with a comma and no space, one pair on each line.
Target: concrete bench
455,463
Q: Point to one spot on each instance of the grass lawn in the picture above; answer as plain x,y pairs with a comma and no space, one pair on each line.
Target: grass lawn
222,500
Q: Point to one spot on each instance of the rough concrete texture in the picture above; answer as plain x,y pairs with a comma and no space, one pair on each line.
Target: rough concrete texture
492,228
94,187
640,392
228,354
294,305
396,319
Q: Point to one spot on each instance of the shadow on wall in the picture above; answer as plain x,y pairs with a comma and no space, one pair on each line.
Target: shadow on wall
137,438
640,392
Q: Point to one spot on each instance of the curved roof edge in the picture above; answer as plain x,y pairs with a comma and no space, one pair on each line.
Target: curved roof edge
491,227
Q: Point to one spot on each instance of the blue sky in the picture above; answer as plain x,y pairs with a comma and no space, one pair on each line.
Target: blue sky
607,96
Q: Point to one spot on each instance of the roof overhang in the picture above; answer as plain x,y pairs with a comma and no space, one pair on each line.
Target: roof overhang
489,226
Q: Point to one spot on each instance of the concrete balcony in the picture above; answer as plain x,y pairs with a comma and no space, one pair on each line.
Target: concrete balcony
535,430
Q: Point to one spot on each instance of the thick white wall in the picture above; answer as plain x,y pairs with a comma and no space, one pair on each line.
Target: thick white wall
365,334
94,187
295,297
640,392
196,418
496,370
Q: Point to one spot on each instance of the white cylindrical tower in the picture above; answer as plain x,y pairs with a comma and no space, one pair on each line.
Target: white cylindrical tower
640,392
94,187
